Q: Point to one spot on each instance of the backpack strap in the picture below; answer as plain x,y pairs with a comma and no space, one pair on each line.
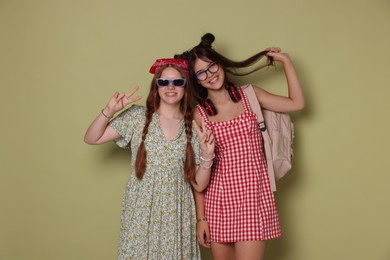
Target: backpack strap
256,108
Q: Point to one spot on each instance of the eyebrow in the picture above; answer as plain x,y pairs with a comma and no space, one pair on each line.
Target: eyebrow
208,66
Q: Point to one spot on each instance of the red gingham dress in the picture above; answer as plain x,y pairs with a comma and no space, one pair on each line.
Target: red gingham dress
239,203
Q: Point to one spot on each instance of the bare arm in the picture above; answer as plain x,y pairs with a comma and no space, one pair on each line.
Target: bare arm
295,100
202,227
99,131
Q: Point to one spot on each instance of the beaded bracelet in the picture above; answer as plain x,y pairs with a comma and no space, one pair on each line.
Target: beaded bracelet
207,160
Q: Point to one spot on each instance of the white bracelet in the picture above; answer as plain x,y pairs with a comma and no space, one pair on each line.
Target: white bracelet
206,167
207,160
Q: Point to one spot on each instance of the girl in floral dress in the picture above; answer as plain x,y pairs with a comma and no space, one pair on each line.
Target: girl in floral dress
237,211
168,155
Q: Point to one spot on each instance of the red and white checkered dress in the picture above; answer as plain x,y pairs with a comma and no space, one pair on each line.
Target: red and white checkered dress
239,203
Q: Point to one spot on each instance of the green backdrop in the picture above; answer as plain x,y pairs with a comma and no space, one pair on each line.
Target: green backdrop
60,61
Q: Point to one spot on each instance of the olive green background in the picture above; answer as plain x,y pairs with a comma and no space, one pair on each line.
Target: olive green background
60,62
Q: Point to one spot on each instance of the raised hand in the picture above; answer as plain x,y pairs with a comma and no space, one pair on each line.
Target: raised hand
295,100
206,139
277,55
119,101
203,172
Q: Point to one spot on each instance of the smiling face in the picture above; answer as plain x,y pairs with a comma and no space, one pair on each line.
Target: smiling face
171,94
215,74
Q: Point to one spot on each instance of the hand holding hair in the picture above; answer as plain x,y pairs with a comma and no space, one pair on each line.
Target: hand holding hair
277,54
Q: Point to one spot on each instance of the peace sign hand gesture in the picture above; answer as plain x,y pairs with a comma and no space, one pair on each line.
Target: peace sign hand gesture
119,101
206,140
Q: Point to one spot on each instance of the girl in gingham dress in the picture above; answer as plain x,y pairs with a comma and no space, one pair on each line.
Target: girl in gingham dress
237,212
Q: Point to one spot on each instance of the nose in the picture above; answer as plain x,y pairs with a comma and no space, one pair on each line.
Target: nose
171,86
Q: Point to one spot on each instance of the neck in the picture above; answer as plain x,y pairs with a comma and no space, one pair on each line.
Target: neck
220,95
169,111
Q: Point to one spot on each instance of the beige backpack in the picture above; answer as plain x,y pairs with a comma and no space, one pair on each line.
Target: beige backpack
277,131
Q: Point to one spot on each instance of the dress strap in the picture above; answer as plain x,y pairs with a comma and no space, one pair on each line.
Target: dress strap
203,113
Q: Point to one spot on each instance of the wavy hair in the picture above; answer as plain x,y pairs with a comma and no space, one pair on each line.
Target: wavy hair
152,105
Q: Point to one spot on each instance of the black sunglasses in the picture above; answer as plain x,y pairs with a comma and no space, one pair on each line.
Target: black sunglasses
165,82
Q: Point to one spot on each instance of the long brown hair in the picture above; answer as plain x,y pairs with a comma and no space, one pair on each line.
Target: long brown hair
152,105
205,51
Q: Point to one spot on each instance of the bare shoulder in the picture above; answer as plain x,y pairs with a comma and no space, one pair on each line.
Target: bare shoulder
260,92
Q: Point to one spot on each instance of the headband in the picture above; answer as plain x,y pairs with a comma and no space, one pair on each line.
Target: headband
182,64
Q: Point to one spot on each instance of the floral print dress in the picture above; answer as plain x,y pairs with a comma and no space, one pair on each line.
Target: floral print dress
158,218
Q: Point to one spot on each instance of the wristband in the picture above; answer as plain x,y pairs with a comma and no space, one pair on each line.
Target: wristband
105,114
208,159
206,167
201,219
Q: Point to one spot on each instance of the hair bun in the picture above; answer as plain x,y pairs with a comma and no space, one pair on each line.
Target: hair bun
207,40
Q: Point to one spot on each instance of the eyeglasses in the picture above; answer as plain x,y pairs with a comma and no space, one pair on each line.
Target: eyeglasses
175,82
212,68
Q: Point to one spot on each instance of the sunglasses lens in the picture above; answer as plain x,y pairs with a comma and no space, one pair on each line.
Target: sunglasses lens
175,82
162,82
179,82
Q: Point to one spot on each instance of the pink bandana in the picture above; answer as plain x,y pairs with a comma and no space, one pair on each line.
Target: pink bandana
183,64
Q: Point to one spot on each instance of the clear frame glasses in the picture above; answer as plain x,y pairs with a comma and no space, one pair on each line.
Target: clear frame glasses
212,68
